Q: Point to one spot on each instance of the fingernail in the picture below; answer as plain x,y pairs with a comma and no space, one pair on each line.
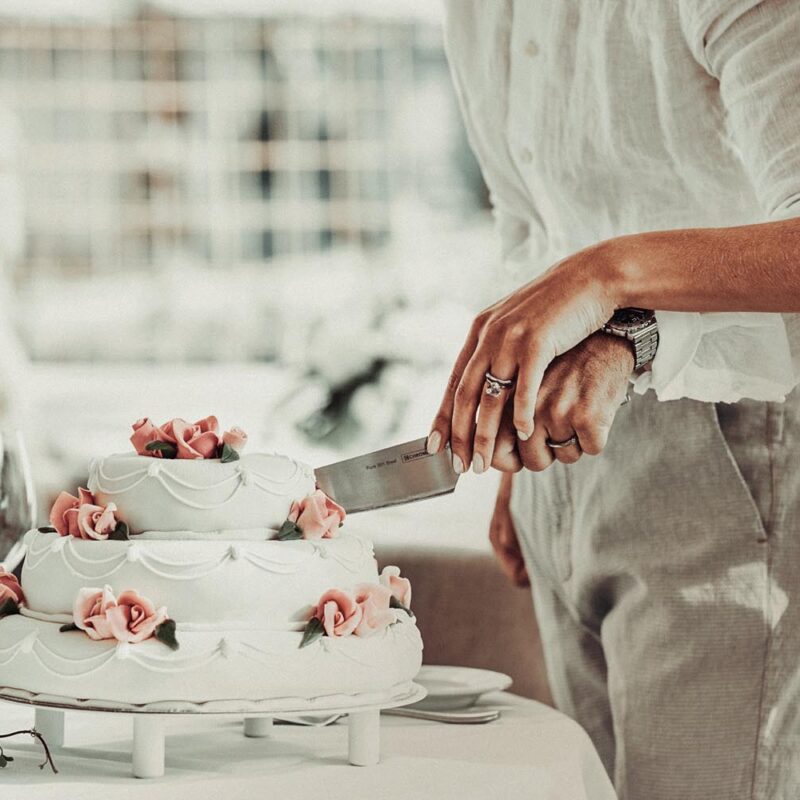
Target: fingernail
477,464
523,436
458,464
434,440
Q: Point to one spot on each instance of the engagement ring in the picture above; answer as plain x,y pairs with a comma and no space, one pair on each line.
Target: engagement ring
496,385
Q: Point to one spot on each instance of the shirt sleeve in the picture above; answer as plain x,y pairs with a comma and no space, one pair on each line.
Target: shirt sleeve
751,49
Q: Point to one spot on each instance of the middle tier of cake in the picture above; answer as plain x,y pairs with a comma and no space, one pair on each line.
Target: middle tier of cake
211,582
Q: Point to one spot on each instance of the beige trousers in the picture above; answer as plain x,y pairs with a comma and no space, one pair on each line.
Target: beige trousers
666,579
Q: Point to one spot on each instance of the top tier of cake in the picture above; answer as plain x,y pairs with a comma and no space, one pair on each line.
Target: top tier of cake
186,498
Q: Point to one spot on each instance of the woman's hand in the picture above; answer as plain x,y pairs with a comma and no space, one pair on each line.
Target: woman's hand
503,537
517,338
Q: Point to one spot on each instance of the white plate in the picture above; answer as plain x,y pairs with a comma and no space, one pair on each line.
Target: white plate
450,688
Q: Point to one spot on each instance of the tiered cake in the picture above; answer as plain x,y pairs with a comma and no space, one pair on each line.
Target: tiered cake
187,576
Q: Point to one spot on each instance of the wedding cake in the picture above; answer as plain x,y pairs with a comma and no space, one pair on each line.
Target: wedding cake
190,572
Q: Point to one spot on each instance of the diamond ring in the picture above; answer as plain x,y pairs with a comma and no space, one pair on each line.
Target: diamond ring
566,443
496,385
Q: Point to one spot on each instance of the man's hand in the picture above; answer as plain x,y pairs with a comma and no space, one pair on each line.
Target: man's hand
580,395
503,537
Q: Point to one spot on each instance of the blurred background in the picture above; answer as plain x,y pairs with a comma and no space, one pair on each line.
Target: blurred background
267,211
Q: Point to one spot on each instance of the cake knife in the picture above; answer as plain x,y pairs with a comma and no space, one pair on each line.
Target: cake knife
388,477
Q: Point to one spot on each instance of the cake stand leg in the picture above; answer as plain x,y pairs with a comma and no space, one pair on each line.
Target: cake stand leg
148,746
257,727
50,723
364,737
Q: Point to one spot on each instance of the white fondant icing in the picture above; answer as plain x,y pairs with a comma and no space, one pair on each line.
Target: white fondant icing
200,495
271,582
249,666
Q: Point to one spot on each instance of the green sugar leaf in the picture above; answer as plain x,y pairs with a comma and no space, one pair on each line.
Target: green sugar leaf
8,607
165,632
121,532
167,449
70,626
47,529
314,630
228,454
395,603
288,531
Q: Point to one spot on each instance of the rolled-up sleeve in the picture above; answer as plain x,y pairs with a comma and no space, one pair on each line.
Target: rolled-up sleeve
753,50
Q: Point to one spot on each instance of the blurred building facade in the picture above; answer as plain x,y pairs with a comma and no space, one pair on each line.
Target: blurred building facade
151,137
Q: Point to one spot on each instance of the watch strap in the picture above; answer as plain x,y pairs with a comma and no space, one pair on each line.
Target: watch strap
644,340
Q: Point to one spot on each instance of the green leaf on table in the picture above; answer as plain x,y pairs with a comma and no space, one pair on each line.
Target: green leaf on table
314,630
121,532
228,454
69,626
165,632
4,759
167,449
47,529
395,603
288,531
8,607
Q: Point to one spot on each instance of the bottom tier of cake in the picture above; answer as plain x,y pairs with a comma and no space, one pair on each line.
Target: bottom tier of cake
209,665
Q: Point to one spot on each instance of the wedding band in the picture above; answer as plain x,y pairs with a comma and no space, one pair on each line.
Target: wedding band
496,385
566,443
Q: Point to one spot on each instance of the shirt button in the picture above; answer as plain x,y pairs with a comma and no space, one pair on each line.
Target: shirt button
526,156
531,49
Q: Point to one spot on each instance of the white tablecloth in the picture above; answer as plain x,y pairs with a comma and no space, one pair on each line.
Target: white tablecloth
532,752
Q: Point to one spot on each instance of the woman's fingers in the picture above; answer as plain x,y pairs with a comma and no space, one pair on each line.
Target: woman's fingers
529,381
490,414
465,408
506,457
440,430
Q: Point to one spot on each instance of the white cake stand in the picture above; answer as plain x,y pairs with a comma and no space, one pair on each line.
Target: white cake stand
363,715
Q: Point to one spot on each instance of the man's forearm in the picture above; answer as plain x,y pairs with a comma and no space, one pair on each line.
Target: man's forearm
746,268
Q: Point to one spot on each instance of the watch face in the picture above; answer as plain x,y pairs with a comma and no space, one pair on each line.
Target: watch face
631,318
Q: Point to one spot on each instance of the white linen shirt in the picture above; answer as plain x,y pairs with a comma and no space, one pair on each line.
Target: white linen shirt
597,118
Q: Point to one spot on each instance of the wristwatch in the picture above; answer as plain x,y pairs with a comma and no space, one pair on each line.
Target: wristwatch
638,326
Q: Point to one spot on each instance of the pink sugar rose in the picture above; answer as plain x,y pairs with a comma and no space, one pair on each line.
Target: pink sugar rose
317,516
196,440
90,611
339,612
235,438
134,618
96,522
145,432
64,513
10,588
373,599
199,440
399,587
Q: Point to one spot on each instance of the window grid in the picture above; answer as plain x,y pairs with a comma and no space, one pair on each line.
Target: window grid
220,140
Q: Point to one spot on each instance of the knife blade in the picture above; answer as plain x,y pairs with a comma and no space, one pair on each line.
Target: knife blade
391,476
